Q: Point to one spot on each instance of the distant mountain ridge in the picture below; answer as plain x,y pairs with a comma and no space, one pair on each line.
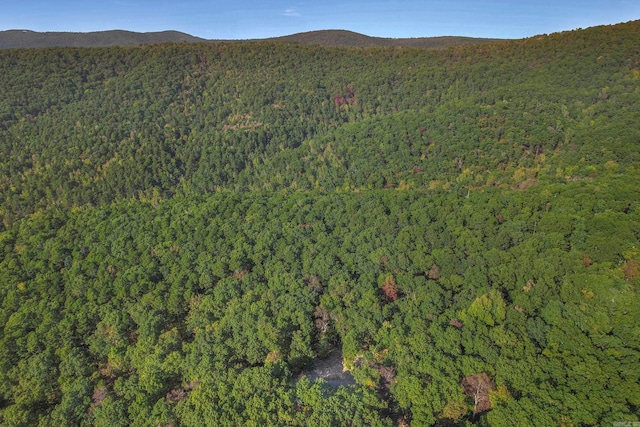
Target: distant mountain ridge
353,39
21,39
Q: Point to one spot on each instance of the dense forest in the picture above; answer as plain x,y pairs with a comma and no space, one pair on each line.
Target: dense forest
186,228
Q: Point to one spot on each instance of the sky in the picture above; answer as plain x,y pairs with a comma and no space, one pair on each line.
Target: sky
254,19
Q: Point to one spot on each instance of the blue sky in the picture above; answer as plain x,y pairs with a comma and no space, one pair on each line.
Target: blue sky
244,19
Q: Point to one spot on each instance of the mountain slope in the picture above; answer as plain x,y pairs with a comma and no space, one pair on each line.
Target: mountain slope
178,118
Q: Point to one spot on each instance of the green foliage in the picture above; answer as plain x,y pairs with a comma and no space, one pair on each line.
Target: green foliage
180,243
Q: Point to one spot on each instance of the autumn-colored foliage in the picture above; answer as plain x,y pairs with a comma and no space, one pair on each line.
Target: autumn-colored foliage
175,396
390,289
347,97
455,322
240,274
99,394
631,269
434,273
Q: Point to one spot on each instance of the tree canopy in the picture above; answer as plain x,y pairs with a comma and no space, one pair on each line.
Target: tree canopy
187,227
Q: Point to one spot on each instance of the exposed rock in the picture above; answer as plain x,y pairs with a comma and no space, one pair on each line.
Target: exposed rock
331,370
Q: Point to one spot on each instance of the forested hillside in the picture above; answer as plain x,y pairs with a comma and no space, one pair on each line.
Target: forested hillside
187,227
